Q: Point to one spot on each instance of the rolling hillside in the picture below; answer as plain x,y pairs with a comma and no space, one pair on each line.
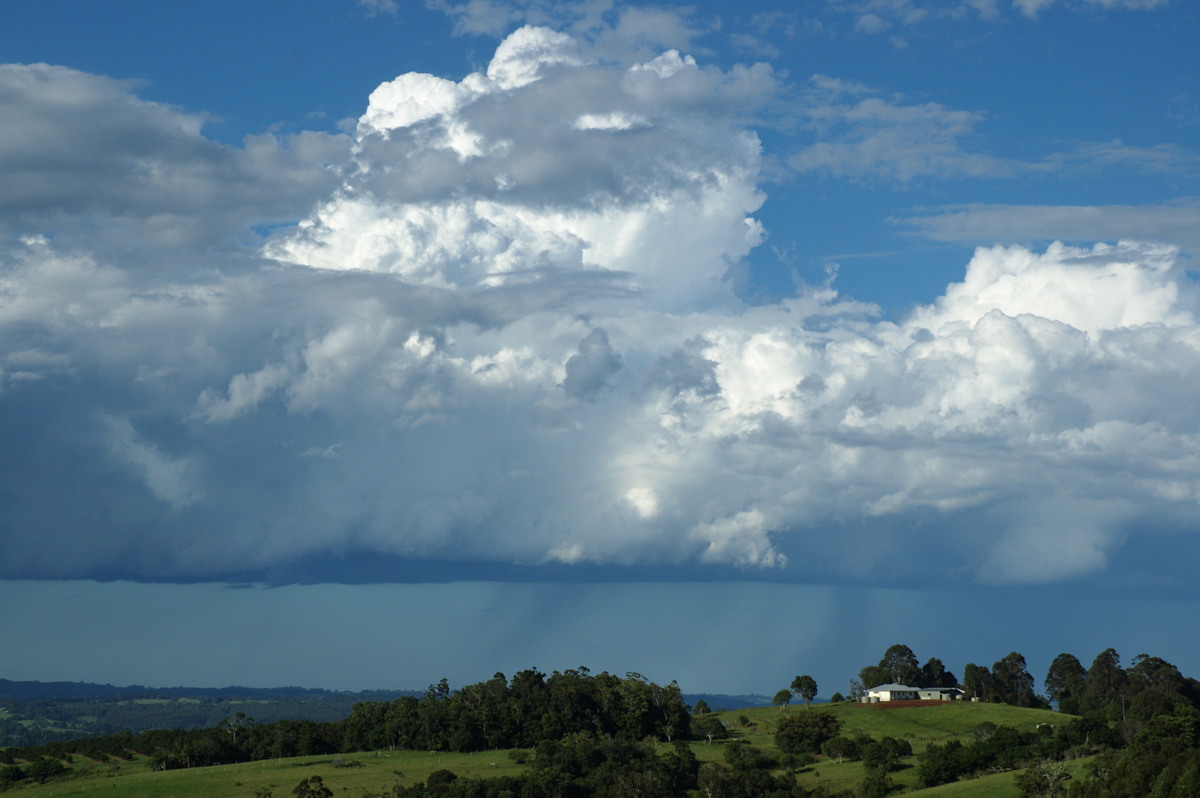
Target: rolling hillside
372,773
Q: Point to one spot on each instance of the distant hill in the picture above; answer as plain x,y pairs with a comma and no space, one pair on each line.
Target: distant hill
33,713
718,702
82,691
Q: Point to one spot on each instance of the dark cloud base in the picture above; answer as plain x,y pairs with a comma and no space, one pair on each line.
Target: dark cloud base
1157,569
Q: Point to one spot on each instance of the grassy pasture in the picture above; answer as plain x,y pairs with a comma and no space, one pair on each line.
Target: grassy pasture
995,785
920,726
377,774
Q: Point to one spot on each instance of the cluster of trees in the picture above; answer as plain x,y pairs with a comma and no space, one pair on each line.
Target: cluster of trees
580,764
40,770
1007,682
1150,687
801,736
498,713
1143,721
1154,712
804,686
899,665
1162,761
586,765
998,748
521,712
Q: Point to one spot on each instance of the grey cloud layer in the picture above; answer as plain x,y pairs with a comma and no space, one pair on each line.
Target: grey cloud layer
494,17
505,332
879,16
1177,222
861,136
83,155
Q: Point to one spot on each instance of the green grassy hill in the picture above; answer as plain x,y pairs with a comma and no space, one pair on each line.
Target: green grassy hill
350,774
376,772
920,725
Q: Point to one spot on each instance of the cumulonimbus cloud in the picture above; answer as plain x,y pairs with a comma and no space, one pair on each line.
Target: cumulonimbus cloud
506,333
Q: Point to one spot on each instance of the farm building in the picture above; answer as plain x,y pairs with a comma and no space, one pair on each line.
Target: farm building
901,692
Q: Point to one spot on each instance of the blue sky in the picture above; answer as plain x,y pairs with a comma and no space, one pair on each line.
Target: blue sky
719,342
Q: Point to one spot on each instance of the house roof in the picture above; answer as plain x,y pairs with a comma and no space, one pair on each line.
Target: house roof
892,688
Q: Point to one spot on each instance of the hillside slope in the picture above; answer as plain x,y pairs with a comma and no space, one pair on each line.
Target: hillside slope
377,772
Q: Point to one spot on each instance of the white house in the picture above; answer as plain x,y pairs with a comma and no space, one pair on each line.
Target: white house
902,692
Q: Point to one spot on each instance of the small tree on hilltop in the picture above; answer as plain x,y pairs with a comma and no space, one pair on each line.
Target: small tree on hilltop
806,687
782,698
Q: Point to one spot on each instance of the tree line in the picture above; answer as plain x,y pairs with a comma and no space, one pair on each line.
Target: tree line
1151,686
1008,681
498,713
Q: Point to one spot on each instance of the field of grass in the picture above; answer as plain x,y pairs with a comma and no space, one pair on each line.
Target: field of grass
995,785
379,771
920,726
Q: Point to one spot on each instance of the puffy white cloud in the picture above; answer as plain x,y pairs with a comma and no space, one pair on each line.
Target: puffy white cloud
524,56
507,335
1142,290
550,161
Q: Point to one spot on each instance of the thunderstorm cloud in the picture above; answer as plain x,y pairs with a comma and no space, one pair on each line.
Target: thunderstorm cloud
497,322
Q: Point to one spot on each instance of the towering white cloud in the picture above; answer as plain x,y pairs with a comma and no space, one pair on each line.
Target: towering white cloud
550,161
506,333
